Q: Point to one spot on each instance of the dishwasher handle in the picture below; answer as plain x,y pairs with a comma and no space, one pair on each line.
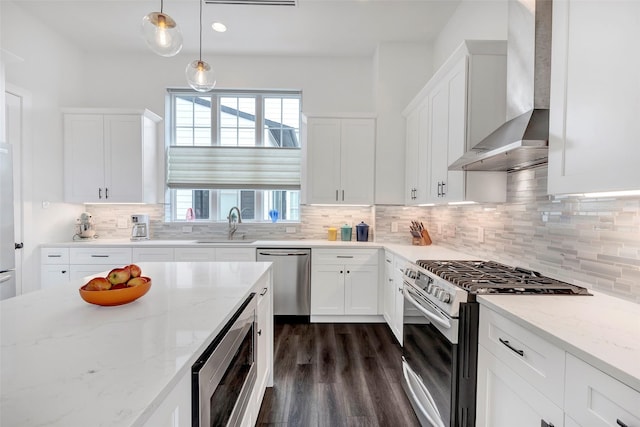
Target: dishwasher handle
283,253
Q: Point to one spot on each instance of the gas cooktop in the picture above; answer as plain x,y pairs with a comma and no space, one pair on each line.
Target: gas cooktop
488,277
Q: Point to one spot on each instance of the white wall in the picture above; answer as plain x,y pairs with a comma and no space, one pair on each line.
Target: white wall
51,75
473,19
401,70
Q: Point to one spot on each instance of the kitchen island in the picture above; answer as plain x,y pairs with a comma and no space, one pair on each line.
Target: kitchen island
65,362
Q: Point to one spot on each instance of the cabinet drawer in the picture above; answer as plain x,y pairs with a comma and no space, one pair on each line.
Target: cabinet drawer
345,256
235,254
54,255
537,361
107,256
595,399
152,254
195,254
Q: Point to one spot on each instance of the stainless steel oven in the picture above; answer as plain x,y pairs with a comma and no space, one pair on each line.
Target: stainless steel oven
224,375
439,359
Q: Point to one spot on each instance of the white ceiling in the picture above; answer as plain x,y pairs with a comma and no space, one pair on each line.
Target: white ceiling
313,27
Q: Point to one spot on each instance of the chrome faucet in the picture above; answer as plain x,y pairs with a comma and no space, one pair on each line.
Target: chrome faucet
233,224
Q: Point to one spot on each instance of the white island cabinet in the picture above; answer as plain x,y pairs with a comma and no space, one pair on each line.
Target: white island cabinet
128,365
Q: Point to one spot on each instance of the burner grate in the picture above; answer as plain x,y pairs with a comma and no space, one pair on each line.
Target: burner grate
489,277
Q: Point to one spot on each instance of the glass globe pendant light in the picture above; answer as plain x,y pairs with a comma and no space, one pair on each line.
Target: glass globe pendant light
161,33
200,74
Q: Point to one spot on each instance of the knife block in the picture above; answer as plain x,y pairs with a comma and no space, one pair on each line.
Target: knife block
423,240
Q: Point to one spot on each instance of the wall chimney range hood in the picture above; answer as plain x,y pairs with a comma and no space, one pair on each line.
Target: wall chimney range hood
523,141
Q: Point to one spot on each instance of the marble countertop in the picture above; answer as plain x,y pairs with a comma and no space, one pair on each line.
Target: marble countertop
602,330
65,362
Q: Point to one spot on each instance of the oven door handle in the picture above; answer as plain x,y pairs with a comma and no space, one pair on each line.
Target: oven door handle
439,319
431,413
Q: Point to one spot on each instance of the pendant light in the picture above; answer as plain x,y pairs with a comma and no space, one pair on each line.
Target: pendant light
199,74
161,33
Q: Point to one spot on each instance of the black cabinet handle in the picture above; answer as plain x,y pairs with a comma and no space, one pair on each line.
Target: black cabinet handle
19,245
543,423
99,193
515,350
264,291
106,193
64,272
620,423
259,331
99,256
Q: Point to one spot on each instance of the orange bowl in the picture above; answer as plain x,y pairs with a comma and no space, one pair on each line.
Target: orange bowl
115,296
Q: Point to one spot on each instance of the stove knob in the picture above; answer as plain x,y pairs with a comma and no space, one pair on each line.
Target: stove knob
437,292
430,288
445,297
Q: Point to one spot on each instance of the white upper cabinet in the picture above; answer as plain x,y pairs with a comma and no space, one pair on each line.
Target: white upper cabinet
461,104
595,97
339,155
110,156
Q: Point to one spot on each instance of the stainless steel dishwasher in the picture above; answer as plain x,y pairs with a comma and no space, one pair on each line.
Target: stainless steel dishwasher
291,282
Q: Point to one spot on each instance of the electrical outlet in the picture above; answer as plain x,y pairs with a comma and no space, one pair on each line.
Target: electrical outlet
394,227
480,235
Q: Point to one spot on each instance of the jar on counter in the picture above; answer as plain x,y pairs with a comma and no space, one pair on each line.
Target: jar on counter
333,233
345,233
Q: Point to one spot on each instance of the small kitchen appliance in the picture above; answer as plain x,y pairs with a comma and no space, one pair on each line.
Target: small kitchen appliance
140,228
85,227
362,232
440,338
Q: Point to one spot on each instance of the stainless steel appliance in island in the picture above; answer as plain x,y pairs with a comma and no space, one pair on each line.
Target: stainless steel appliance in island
440,347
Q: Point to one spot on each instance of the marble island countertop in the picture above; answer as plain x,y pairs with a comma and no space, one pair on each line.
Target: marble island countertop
65,362
602,330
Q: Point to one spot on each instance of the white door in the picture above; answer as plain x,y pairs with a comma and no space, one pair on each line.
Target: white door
14,110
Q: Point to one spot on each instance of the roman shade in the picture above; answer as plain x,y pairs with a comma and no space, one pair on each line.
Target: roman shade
217,167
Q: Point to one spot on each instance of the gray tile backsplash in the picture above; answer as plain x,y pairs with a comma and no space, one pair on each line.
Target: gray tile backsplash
593,243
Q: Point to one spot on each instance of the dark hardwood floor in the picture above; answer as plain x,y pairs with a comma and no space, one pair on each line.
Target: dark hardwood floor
336,375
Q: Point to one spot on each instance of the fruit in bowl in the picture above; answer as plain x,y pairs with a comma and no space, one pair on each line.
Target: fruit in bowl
119,287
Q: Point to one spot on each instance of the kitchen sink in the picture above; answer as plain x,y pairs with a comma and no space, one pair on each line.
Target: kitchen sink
221,241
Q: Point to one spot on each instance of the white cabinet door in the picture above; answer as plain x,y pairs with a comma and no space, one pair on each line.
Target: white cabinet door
123,163
327,289
110,156
594,126
439,140
323,160
340,158
54,275
84,158
417,155
594,399
360,289
388,294
265,344
504,399
357,161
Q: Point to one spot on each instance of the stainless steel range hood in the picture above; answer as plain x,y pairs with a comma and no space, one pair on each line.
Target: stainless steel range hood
522,142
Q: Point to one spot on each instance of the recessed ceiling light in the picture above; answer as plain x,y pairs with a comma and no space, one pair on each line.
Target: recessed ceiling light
219,27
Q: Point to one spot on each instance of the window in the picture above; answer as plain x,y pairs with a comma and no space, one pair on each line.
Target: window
234,148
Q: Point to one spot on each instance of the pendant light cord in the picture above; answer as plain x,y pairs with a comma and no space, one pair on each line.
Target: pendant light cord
200,30
161,5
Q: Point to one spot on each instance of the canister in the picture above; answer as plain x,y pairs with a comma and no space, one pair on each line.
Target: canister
362,232
345,233
333,233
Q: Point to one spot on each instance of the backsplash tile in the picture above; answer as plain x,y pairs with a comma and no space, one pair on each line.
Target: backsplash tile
593,243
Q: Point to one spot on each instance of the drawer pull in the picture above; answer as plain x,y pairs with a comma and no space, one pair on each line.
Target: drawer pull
54,256
620,423
543,423
259,332
99,256
510,347
344,256
264,291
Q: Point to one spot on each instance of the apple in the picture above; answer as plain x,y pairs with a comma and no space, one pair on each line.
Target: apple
119,286
135,270
119,275
137,281
98,284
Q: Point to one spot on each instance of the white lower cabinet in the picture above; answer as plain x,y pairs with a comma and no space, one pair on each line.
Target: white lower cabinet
195,254
54,275
524,380
235,254
175,409
264,356
594,399
394,309
344,282
505,399
152,254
